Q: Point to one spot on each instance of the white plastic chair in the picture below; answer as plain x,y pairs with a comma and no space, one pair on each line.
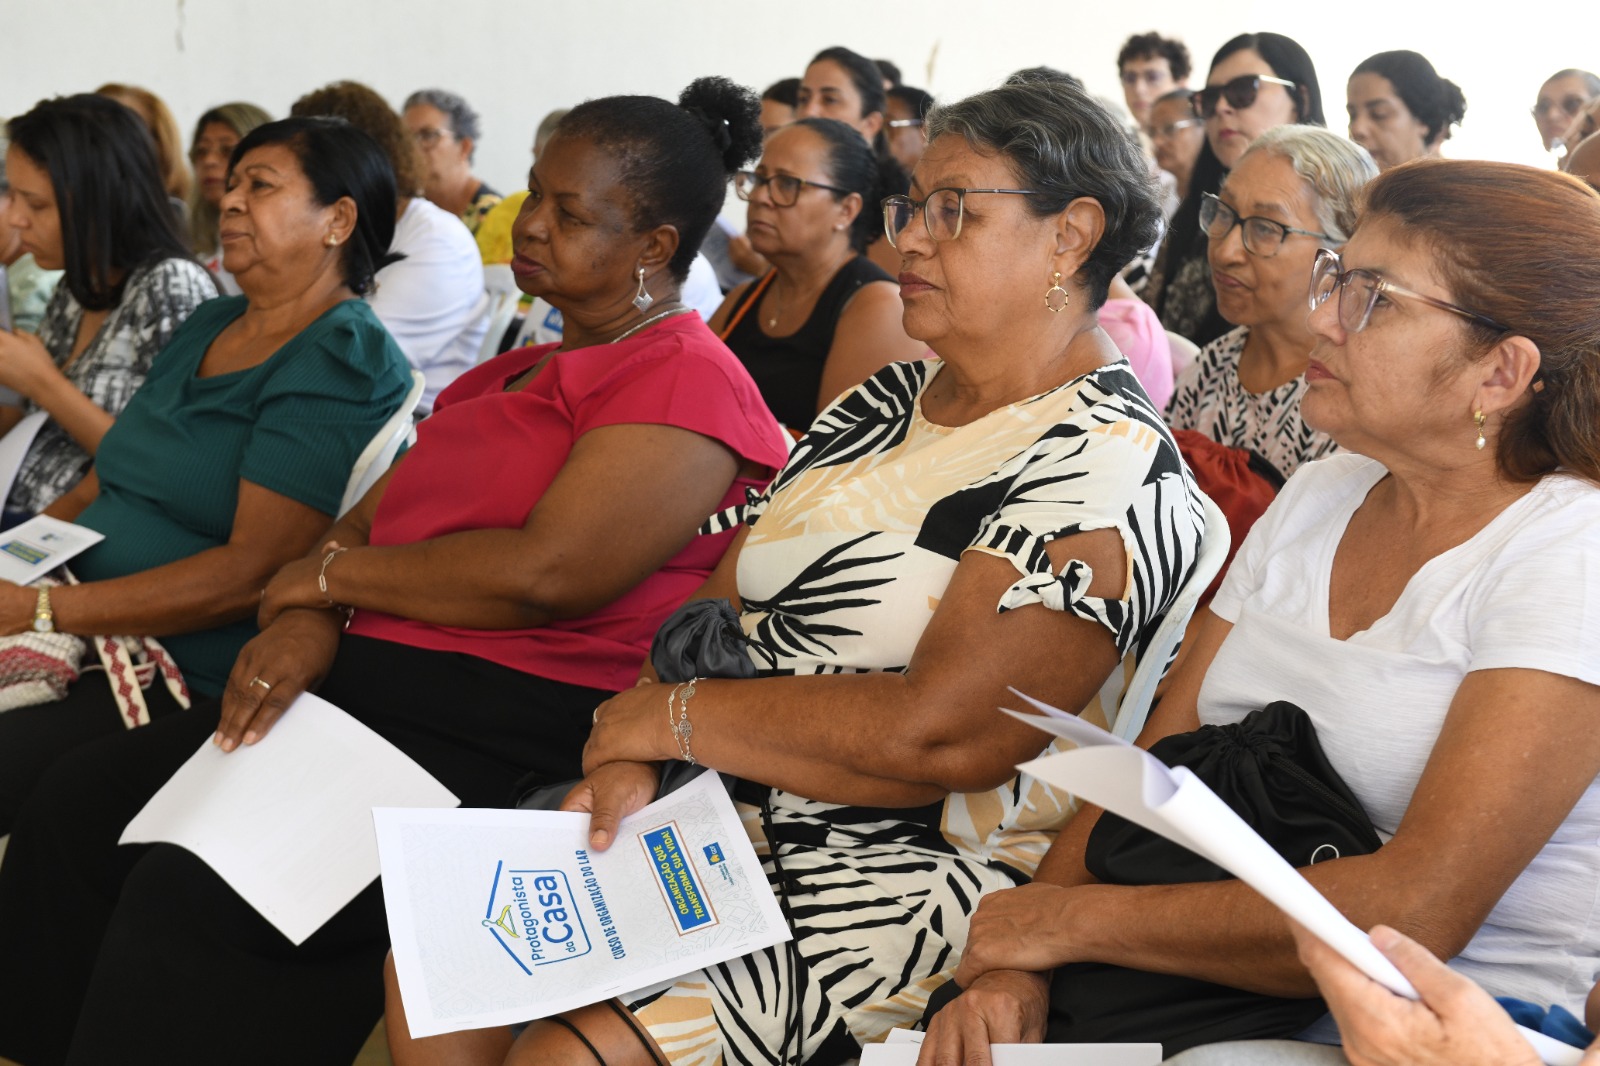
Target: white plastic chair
1141,692
501,286
1184,351
380,452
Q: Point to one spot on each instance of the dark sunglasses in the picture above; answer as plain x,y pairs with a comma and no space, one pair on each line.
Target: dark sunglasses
1240,93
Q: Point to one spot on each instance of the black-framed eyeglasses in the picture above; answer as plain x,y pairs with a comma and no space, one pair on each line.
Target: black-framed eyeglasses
942,212
1240,93
1360,290
784,189
1262,236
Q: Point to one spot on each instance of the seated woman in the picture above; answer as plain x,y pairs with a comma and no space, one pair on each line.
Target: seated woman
87,199
234,454
216,135
1429,601
847,86
1257,81
157,118
1291,194
1400,108
446,130
432,300
945,529
825,318
498,598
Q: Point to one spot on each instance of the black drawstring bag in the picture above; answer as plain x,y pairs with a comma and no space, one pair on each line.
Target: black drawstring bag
1271,770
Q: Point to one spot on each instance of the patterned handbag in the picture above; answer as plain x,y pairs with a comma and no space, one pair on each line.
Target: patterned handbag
39,668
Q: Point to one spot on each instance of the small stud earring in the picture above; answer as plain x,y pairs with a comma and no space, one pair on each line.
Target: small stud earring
642,299
330,240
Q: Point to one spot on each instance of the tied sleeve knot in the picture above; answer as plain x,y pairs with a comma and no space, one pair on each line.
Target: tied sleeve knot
1056,593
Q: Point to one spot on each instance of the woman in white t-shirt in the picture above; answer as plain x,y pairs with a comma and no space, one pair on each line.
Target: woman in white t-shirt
1431,601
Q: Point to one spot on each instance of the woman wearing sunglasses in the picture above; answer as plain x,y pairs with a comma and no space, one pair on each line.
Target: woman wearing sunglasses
825,317
1257,81
1293,193
1429,599
1561,98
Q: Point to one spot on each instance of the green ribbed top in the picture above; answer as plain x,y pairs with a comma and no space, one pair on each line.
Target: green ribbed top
170,467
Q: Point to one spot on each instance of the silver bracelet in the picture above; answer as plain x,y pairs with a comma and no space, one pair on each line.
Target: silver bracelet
683,729
322,586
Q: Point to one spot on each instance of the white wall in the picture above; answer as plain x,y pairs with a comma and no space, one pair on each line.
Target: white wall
516,59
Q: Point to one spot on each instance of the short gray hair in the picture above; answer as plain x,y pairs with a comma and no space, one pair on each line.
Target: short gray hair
1067,145
547,129
463,120
1337,170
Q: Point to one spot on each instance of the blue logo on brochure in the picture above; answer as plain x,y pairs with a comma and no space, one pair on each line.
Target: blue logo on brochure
531,915
713,853
685,898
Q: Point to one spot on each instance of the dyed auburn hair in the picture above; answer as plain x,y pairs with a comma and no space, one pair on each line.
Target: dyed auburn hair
157,117
1521,246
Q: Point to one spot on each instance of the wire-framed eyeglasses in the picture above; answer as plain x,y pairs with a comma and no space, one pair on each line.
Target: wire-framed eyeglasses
783,188
1262,236
1360,290
942,212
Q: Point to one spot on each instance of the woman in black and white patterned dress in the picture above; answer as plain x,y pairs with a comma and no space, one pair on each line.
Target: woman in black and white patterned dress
1292,192
1012,513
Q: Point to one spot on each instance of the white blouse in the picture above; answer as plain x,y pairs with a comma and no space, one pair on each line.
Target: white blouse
1523,593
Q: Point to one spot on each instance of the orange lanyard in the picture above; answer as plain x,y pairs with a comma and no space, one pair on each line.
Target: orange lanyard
750,301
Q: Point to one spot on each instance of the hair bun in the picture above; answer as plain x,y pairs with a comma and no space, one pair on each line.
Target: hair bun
730,114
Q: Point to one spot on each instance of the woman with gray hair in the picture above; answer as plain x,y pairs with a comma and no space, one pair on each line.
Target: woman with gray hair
1294,191
1010,513
446,131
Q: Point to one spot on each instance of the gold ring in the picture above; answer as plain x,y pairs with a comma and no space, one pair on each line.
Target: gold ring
258,681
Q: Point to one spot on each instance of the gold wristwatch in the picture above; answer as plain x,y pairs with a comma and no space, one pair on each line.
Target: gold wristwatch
44,619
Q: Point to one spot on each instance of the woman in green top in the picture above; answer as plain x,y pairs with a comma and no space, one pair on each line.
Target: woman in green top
233,457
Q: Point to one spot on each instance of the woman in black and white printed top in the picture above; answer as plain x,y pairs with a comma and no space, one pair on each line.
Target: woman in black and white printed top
1011,513
87,198
1291,193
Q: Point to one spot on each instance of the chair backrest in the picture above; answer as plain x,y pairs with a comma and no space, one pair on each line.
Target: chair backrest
501,286
1141,692
375,458
1184,351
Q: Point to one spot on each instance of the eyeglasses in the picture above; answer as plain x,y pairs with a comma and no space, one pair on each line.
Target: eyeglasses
1173,127
1567,105
428,136
1360,291
783,188
904,123
1262,236
1240,93
942,212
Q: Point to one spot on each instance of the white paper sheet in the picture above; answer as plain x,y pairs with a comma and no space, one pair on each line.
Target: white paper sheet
901,1046
287,822
15,444
505,916
1173,802
34,548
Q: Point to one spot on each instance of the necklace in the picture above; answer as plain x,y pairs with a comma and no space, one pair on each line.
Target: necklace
651,321
777,309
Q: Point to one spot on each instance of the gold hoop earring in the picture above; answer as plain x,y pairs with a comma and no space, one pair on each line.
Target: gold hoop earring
1049,294
1480,418
642,299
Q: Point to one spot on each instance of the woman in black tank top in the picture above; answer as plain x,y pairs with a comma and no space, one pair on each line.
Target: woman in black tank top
825,318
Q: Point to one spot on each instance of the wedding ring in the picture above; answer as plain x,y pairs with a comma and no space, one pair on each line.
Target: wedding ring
258,681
